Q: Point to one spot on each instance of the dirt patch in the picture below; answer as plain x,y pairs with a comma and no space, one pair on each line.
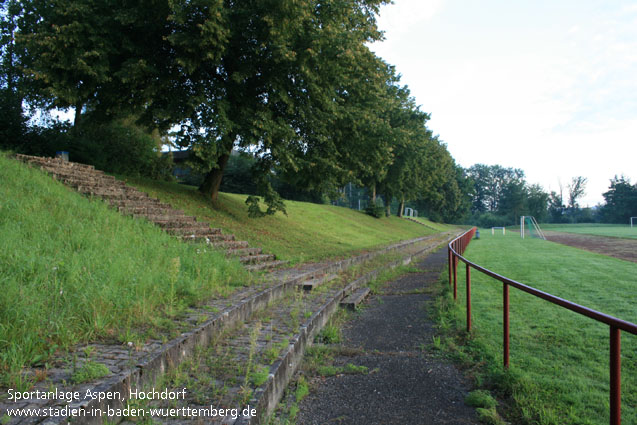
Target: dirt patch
625,249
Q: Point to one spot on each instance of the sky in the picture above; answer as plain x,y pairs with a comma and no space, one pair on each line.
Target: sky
546,86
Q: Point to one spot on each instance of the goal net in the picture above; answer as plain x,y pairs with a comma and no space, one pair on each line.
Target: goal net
530,228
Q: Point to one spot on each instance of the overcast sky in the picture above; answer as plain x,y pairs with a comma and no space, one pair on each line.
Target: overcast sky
546,86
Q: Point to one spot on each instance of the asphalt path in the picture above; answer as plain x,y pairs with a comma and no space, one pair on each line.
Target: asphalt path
407,383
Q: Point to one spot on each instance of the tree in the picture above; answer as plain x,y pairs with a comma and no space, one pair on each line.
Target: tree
576,190
12,120
490,182
620,201
282,88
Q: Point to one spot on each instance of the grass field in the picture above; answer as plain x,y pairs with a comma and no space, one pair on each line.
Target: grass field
613,230
559,359
308,232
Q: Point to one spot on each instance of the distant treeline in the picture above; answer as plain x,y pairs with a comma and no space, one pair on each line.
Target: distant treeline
501,195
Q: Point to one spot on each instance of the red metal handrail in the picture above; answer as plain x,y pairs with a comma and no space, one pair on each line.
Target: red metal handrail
455,250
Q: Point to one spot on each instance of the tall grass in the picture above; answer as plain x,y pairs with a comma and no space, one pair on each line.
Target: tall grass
72,270
559,359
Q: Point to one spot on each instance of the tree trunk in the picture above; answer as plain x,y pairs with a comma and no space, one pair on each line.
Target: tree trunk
78,114
401,207
212,181
387,205
374,194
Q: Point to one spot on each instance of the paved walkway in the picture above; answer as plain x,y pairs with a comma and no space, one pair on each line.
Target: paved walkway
407,383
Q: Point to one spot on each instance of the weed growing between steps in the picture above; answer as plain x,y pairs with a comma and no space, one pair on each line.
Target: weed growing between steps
72,271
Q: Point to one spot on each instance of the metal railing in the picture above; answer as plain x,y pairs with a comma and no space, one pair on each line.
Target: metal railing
455,250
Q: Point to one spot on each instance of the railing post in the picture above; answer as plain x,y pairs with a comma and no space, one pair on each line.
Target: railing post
615,376
505,323
468,298
455,277
449,263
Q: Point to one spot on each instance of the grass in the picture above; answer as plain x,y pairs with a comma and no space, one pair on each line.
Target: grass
440,227
612,230
72,270
559,360
308,232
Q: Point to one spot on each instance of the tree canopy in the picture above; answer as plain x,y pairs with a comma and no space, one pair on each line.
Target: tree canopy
293,83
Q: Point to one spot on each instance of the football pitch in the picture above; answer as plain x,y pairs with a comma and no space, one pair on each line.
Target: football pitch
559,359
611,230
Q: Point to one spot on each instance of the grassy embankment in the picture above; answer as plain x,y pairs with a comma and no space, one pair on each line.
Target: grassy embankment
612,230
559,359
72,270
308,232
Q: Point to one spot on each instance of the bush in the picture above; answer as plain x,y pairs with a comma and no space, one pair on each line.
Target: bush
120,148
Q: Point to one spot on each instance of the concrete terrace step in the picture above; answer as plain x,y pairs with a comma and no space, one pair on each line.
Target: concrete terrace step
53,162
130,204
167,217
265,265
183,221
354,299
213,236
193,230
308,285
258,258
238,252
151,213
230,245
71,179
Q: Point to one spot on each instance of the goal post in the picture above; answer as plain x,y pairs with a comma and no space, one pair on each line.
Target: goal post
528,224
504,230
632,219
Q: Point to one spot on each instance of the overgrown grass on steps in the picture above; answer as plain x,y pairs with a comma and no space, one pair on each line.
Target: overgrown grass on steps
308,232
73,270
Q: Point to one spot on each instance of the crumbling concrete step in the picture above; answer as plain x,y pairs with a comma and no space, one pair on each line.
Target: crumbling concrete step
151,212
228,245
308,285
266,265
71,179
354,299
53,161
238,252
93,186
211,237
190,229
167,217
114,194
182,222
259,258
137,203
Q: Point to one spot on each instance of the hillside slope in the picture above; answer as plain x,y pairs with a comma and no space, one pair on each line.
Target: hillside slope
73,270
308,232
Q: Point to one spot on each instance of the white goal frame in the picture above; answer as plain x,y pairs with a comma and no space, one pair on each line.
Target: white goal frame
534,224
504,230
631,222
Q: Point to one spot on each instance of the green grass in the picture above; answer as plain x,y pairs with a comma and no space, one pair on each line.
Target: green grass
73,270
612,230
308,232
559,359
440,227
